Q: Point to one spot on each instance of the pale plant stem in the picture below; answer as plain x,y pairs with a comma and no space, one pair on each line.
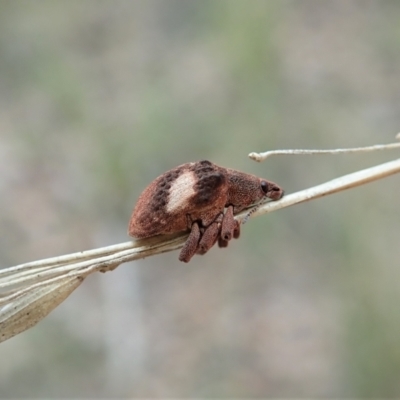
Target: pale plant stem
263,156
29,291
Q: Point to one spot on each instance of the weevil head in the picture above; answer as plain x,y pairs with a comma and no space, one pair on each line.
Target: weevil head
246,190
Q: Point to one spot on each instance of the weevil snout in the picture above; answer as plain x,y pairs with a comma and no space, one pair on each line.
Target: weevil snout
272,190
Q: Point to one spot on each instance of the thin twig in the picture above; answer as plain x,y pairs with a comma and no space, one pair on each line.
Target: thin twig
263,156
28,292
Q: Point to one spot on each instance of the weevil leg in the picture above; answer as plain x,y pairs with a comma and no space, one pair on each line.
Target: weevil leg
229,225
222,242
236,233
236,230
209,237
191,244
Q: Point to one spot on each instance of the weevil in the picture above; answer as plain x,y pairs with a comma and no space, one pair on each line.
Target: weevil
202,198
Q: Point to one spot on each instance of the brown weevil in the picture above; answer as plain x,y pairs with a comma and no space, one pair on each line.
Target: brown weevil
202,198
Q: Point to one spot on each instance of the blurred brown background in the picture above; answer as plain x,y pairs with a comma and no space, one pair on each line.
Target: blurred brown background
97,98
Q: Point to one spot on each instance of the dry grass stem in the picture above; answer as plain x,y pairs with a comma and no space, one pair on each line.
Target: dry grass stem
28,292
377,147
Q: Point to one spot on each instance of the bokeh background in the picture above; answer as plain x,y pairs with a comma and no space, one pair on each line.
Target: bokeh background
97,98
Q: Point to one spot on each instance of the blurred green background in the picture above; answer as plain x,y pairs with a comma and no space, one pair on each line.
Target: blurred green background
97,98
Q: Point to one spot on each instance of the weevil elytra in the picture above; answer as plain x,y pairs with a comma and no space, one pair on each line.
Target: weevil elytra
202,198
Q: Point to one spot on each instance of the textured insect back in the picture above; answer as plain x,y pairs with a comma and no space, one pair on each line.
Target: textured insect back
192,197
163,205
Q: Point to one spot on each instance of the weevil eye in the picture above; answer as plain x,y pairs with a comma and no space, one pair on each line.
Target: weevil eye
264,186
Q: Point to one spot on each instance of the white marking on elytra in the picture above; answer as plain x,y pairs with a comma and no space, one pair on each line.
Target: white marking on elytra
181,190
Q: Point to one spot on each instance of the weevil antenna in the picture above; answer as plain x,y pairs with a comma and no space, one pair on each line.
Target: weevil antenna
252,211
